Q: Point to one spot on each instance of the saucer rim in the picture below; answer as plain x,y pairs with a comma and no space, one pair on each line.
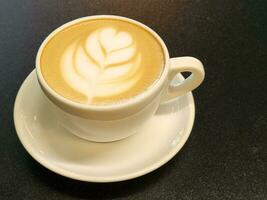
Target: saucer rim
66,173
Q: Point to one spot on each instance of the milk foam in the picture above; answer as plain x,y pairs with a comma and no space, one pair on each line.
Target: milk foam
104,63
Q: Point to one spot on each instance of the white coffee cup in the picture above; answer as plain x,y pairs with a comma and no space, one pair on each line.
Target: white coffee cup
105,123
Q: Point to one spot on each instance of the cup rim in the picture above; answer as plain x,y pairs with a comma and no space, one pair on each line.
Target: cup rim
105,107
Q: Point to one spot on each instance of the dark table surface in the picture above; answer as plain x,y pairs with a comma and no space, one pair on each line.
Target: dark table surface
225,156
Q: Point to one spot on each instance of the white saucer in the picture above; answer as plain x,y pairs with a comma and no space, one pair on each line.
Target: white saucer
60,151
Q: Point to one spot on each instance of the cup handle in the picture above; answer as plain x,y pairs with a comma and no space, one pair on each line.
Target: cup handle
184,64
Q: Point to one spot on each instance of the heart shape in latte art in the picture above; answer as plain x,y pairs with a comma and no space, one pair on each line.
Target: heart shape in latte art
102,64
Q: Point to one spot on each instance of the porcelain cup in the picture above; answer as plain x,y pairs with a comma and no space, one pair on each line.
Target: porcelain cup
106,123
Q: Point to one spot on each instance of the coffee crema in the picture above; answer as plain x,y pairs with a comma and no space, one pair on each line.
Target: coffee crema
101,61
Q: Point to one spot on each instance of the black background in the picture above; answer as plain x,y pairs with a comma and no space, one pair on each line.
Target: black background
225,156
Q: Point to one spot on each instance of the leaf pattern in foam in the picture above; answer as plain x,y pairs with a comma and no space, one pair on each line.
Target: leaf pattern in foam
97,65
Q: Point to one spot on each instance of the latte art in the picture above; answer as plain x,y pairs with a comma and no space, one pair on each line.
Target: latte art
103,64
101,61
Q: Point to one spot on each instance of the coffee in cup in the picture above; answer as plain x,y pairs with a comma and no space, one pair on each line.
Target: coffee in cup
102,61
